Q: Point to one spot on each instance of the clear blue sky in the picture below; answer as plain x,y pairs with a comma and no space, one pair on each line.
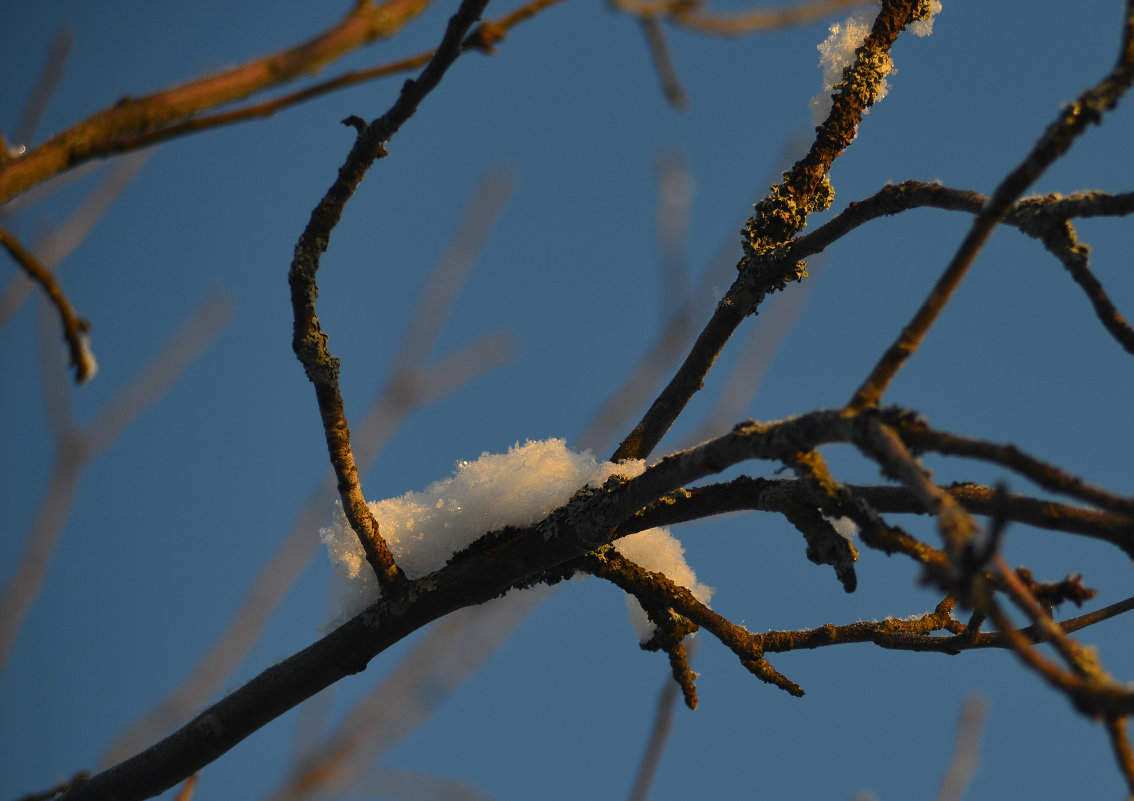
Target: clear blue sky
174,520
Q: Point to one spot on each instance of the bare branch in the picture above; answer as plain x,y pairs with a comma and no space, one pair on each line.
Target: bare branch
65,237
484,38
1046,218
779,217
1055,141
655,745
966,750
689,14
75,328
364,23
309,340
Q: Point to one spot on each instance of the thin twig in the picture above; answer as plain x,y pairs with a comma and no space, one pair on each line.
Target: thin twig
1045,218
966,750
309,341
919,436
1071,122
62,239
663,62
45,85
655,744
1116,726
484,38
75,328
75,447
689,14
187,789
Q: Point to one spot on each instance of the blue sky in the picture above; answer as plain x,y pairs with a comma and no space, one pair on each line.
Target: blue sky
172,522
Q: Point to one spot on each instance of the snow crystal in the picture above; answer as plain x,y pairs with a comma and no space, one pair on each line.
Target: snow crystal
836,53
518,488
924,26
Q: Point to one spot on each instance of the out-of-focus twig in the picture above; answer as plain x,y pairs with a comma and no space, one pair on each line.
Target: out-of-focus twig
75,328
1120,744
966,750
365,22
44,88
187,789
691,15
659,735
441,660
663,62
76,447
68,235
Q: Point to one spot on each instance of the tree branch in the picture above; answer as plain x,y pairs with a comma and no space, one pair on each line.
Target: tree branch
75,328
309,341
1055,141
777,218
93,136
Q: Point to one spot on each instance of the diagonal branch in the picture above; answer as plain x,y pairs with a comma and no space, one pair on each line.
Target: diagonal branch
88,139
75,328
484,38
777,218
1055,141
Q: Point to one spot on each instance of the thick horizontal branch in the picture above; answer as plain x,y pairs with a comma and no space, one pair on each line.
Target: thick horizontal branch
499,561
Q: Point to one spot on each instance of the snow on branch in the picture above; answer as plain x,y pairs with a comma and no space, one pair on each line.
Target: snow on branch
517,488
837,52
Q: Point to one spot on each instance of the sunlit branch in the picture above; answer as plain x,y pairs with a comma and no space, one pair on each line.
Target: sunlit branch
75,328
364,23
484,37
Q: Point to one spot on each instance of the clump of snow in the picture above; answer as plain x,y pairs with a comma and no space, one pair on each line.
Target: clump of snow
87,357
844,526
836,52
924,26
519,488
658,551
